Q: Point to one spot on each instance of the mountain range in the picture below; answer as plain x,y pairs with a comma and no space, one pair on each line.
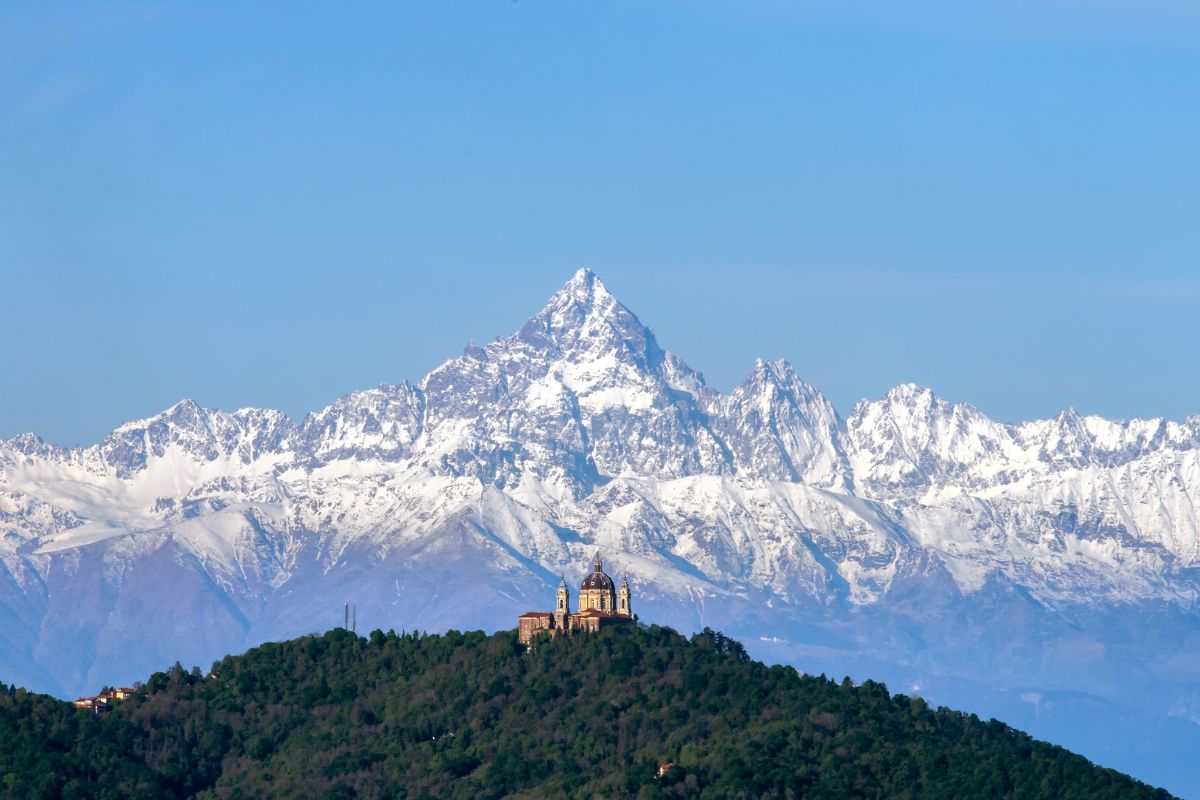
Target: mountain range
1045,572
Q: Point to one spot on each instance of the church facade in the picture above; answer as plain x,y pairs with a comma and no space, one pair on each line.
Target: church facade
600,604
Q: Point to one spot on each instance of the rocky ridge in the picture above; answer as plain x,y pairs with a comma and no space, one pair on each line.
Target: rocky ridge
198,532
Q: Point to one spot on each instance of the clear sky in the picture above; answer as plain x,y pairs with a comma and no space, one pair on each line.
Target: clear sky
278,204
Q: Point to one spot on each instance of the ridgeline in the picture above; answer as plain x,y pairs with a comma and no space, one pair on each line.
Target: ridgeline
475,716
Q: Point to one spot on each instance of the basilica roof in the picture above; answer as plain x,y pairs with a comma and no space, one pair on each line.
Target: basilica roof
597,579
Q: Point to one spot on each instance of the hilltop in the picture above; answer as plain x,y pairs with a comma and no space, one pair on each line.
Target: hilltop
471,715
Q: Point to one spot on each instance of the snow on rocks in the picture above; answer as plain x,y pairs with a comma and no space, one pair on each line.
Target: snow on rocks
579,432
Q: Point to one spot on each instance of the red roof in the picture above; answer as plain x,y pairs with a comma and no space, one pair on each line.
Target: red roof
536,614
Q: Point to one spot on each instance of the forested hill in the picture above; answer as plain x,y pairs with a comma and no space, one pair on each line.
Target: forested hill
472,715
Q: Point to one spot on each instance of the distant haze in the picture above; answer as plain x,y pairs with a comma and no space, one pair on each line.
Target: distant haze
273,207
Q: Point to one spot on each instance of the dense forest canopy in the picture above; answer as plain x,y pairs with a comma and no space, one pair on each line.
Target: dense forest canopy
468,715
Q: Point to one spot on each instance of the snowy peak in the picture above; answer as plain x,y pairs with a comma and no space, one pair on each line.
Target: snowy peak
380,423
781,428
31,445
912,443
566,398
1068,441
583,393
583,306
582,331
586,293
199,434
911,440
583,398
584,323
1071,440
779,379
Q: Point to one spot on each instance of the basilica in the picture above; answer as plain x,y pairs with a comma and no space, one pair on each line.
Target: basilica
600,604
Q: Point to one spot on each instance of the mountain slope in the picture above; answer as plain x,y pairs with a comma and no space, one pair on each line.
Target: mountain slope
916,538
467,715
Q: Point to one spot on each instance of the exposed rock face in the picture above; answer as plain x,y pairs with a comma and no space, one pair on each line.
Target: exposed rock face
917,532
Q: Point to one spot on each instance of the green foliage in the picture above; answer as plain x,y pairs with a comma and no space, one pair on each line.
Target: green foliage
466,715
50,749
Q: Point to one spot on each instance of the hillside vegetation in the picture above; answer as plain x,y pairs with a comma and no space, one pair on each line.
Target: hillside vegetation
475,716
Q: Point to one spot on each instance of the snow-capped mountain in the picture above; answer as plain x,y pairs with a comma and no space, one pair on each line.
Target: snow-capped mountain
916,537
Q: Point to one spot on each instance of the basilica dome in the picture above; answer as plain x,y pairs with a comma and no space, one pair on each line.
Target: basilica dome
598,580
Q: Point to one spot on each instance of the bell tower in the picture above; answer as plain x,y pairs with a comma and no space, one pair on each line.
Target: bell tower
623,606
562,609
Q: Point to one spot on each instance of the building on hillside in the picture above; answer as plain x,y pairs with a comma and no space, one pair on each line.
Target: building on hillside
103,701
97,705
600,604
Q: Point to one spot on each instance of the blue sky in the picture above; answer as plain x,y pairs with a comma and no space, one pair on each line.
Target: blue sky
276,205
